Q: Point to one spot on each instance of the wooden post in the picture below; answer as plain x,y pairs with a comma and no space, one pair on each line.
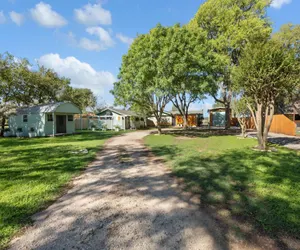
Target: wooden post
53,125
81,122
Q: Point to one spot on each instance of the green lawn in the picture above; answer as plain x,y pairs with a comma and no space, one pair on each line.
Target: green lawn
235,182
33,173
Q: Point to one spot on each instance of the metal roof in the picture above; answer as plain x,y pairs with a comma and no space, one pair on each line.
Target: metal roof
121,112
190,112
44,108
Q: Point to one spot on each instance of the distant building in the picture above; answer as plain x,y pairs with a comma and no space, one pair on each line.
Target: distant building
195,118
125,119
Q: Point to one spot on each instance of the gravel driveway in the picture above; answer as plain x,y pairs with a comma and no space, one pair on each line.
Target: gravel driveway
126,199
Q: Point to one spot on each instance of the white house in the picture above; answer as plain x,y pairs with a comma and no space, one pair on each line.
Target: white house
44,120
167,120
124,119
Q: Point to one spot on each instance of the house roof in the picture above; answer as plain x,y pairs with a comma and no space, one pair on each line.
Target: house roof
216,109
44,108
121,112
191,112
291,109
164,114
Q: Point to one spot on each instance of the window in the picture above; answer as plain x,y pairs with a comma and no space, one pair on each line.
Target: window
50,118
142,119
70,118
137,119
25,118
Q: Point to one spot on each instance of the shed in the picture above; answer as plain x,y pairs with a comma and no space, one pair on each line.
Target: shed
195,118
166,120
125,119
217,117
45,120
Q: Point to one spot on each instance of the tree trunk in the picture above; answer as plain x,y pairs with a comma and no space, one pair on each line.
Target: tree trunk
243,130
227,115
268,122
259,128
185,122
2,126
159,126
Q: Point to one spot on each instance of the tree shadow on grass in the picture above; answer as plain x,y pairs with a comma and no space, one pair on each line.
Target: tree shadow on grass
200,133
32,176
84,136
248,192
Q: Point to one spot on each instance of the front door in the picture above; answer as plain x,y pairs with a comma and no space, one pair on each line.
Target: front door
61,124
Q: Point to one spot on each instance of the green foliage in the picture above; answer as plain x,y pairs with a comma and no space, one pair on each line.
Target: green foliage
20,85
184,65
240,107
83,98
218,105
267,70
262,189
141,82
33,173
229,26
289,37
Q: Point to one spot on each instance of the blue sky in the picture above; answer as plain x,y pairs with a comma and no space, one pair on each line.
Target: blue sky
85,40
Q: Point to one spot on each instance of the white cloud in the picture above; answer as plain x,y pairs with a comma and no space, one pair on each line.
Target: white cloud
125,39
45,16
17,18
102,34
2,17
91,45
93,15
82,74
105,40
277,4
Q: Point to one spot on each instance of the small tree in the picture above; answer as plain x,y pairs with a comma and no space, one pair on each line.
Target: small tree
229,25
242,112
289,37
266,71
140,79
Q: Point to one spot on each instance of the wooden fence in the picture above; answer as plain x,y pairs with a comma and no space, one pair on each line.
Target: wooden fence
280,125
85,123
283,125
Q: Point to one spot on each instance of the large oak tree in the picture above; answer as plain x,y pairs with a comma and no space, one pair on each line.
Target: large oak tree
185,63
140,78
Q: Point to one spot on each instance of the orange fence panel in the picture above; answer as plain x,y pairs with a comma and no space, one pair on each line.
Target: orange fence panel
280,125
192,120
283,125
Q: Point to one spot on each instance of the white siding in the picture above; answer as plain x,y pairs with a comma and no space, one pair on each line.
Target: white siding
68,108
49,125
35,121
165,121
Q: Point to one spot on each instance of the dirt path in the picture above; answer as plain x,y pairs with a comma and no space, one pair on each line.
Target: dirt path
126,199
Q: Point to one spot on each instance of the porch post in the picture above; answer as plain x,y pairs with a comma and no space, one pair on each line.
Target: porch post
53,125
81,122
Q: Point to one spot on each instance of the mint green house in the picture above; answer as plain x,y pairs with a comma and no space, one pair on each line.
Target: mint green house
44,120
